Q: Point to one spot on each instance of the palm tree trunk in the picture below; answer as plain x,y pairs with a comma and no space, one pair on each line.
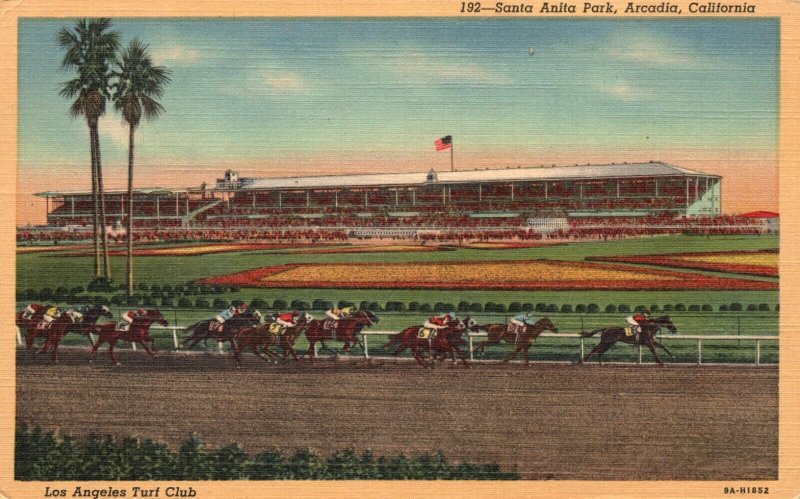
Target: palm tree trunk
103,234
129,262
96,210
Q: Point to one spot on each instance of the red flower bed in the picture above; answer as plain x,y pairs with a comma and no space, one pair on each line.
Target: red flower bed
679,260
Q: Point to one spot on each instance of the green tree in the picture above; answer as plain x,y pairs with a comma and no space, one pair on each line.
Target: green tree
139,84
90,49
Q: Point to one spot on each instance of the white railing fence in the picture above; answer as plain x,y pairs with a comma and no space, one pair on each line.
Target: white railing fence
471,337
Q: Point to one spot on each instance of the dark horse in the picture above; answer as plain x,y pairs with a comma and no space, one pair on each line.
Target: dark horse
522,340
86,324
136,333
347,329
444,341
202,331
56,331
259,338
611,335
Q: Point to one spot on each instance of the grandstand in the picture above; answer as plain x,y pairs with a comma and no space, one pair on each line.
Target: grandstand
489,198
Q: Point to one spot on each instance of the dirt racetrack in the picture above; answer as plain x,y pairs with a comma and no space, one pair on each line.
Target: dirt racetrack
546,421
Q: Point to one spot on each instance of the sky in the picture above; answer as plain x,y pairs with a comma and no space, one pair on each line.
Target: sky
271,97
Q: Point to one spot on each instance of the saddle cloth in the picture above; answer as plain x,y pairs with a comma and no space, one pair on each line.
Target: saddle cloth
275,328
43,325
513,328
425,333
122,327
629,331
329,325
215,327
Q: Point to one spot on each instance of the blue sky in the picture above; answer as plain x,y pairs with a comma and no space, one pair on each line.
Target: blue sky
264,89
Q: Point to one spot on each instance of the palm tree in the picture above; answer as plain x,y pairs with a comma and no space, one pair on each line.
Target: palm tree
90,48
139,83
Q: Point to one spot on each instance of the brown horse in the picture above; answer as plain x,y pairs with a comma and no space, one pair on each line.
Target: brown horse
206,330
347,329
259,338
56,331
29,325
444,341
136,333
522,340
611,335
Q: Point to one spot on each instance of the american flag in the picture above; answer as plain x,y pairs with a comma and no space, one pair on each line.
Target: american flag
445,142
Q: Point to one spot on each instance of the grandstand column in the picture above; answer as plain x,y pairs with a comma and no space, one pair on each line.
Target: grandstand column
617,188
413,197
187,206
366,200
580,191
512,191
444,195
177,204
72,199
122,206
656,187
280,200
696,188
397,197
545,190
253,194
158,209
336,199
308,199
687,192
480,192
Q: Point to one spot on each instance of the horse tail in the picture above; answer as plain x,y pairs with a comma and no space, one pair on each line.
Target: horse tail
591,333
394,339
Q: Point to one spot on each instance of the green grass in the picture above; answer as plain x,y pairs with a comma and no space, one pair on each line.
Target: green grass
42,270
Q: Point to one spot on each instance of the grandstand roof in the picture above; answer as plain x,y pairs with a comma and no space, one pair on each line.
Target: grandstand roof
623,170
160,191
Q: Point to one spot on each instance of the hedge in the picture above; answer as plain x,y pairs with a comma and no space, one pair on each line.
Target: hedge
46,456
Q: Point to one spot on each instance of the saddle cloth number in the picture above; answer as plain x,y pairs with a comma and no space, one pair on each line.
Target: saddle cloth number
513,328
629,331
329,324
425,333
274,328
43,325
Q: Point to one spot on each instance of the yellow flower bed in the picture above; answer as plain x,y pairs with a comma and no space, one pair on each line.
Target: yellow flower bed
456,272
765,259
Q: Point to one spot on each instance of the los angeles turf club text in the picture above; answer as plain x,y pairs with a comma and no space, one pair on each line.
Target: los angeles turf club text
94,493
606,8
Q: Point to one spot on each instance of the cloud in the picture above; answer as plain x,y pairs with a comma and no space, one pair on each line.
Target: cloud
288,82
176,55
649,49
621,91
112,128
415,66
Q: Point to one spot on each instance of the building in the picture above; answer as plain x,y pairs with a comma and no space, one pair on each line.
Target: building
489,196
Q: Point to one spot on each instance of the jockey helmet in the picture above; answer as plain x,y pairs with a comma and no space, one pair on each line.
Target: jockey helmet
451,315
295,313
141,311
242,308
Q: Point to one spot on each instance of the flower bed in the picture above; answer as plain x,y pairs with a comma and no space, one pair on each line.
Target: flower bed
509,275
760,263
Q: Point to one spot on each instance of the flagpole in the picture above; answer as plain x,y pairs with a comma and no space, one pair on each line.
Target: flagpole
452,168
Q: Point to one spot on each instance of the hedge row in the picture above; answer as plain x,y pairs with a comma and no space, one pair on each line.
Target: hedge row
463,307
156,292
44,456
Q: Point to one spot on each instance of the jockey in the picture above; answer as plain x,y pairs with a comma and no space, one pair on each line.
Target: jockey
636,320
128,318
225,315
527,319
288,319
440,322
31,310
335,314
50,315
242,308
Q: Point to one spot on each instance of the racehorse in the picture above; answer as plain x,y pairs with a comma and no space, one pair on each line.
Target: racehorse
29,326
86,325
136,333
445,340
259,338
522,340
611,335
55,332
202,331
347,329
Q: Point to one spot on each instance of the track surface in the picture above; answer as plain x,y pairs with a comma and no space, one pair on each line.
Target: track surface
545,421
